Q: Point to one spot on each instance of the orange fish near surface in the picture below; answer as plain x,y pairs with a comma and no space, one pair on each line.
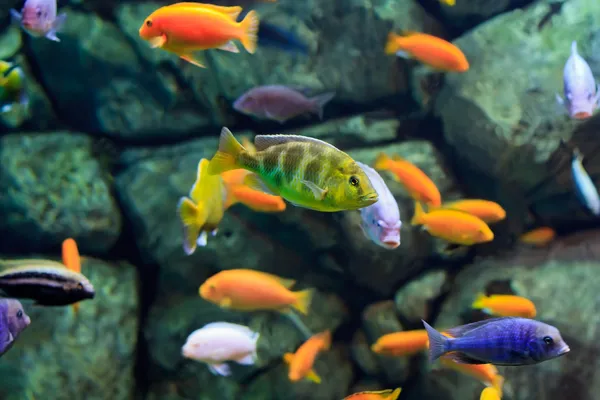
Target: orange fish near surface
249,290
301,363
487,211
457,227
505,305
433,51
490,394
184,28
401,343
539,236
238,192
387,394
71,260
484,373
416,182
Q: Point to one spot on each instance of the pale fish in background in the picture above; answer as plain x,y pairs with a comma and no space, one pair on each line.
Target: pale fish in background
219,342
280,103
39,18
584,186
580,88
380,221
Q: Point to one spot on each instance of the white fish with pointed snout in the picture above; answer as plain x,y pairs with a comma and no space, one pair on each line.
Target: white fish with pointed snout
219,342
580,89
380,221
39,18
586,191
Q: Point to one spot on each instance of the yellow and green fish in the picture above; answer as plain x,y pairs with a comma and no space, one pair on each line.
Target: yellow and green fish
12,87
307,172
203,210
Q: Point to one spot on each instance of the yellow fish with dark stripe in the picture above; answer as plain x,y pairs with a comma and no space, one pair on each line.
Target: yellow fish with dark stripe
305,171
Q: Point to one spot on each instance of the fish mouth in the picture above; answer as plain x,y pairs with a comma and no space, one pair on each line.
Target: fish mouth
582,115
391,243
370,198
564,350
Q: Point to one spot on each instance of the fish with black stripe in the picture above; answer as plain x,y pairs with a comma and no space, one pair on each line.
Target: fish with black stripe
307,172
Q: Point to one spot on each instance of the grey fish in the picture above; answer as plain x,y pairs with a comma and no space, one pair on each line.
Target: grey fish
585,189
47,282
39,18
13,320
498,341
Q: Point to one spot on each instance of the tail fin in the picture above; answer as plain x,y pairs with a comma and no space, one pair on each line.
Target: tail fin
391,46
320,101
70,255
192,221
498,383
418,217
326,336
381,162
288,357
226,157
479,302
303,300
437,342
394,395
313,377
250,28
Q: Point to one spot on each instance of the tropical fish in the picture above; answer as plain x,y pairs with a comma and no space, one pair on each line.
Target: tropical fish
387,394
71,260
47,282
448,2
490,394
280,103
380,222
271,35
38,18
498,341
301,363
305,171
184,28
12,87
404,343
454,226
580,88
218,342
13,320
539,236
586,191
248,290
416,182
203,210
485,210
505,305
485,373
437,53
238,192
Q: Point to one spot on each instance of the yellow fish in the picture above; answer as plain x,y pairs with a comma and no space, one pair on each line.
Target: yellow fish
12,87
448,2
387,394
489,393
203,210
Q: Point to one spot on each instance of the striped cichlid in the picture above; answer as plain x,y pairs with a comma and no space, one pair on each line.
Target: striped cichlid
307,172
47,282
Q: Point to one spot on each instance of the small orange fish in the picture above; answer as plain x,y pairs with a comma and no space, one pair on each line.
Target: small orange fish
539,236
387,394
486,210
454,226
401,343
301,363
184,28
238,192
484,373
71,260
490,394
433,51
505,305
249,290
416,182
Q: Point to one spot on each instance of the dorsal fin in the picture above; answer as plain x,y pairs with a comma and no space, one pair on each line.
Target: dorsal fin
262,142
464,329
232,12
196,189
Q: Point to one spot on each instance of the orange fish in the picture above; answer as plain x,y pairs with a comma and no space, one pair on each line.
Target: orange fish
490,394
301,363
486,210
454,226
249,290
71,260
184,28
505,305
401,343
387,394
418,185
433,51
485,373
539,236
238,192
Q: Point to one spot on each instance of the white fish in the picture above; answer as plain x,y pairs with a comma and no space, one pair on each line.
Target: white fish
584,187
581,91
38,18
219,342
381,221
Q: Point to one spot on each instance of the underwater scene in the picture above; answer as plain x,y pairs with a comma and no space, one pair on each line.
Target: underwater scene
299,200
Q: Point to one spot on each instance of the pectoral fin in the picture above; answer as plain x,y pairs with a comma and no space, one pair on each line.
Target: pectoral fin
192,60
317,191
253,181
157,42
313,377
229,46
225,302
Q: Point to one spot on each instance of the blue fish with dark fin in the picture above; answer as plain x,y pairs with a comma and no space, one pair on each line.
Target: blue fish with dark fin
270,35
498,341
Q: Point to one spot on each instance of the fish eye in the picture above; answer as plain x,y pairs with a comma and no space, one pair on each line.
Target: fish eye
354,180
149,24
548,340
38,13
20,314
80,286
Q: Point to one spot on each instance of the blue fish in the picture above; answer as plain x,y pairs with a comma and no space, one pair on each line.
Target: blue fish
498,341
12,321
274,36
584,186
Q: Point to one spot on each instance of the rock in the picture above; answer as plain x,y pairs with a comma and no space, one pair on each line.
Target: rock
469,13
53,188
362,354
414,301
10,41
61,356
503,122
569,304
